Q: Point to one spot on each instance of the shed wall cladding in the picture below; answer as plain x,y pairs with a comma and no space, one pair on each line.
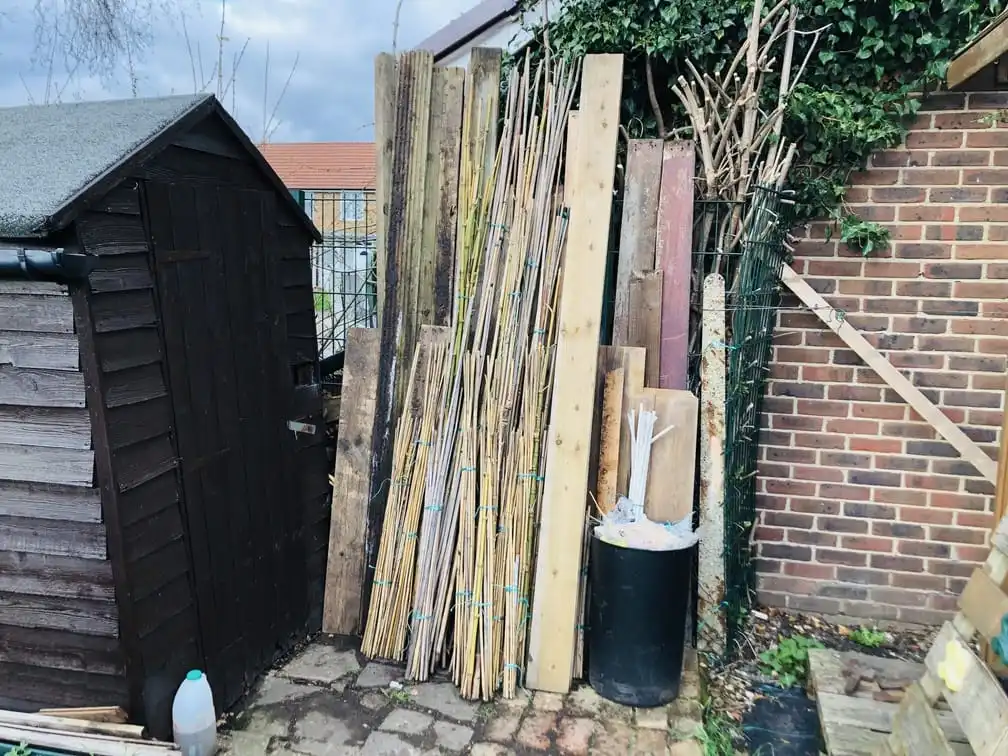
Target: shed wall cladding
58,617
864,509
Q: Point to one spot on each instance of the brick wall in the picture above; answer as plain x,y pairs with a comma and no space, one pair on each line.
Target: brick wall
864,510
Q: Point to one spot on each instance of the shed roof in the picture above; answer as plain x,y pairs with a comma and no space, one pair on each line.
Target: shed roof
469,25
986,47
55,158
323,165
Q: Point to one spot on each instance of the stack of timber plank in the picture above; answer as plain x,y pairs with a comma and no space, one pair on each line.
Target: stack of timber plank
957,674
100,731
418,134
647,365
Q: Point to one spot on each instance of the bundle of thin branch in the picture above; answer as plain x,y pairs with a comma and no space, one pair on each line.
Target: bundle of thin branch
483,482
740,141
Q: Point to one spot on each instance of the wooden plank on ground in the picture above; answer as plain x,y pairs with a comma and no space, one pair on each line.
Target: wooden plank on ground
385,77
713,373
111,714
441,193
1000,505
826,668
674,258
565,490
351,484
972,691
638,231
893,377
669,494
857,727
645,320
916,729
609,440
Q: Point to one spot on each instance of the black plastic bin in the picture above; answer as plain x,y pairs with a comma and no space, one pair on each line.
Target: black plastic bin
637,622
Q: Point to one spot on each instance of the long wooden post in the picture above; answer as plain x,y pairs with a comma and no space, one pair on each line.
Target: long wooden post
568,443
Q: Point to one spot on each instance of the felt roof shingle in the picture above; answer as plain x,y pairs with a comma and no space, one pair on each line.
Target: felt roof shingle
323,165
50,154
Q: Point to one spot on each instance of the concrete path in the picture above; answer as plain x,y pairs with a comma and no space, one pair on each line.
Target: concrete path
328,701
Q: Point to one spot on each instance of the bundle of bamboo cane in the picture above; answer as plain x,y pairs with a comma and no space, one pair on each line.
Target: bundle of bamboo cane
480,477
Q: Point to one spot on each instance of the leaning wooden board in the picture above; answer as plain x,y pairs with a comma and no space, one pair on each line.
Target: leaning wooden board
568,442
671,475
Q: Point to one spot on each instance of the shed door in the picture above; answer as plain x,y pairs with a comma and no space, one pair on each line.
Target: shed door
225,336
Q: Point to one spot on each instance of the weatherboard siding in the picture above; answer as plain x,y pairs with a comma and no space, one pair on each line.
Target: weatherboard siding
58,615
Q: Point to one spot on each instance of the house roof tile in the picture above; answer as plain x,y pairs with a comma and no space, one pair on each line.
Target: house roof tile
323,165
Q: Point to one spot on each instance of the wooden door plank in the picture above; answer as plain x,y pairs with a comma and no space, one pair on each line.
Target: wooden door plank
645,320
551,642
672,472
893,377
638,230
351,484
441,192
713,373
674,258
974,694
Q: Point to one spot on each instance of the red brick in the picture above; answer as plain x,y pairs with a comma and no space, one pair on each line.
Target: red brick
914,360
946,140
762,533
928,549
822,408
926,212
970,121
958,195
821,474
919,582
810,570
991,101
866,543
947,500
984,214
946,344
981,399
985,176
932,325
979,327
790,487
953,569
837,268
997,233
811,538
981,289
898,597
923,289
981,252
847,426
785,551
998,270
928,177
894,305
953,270
961,158
767,566
985,417
903,232
815,506
950,307
884,445
818,441
899,462
788,520
842,525
995,309
862,576
803,356
786,584
873,178
793,422
879,411
958,535
954,233
993,346
852,493
932,482
900,563
987,382
899,194
989,139
884,269
983,520
841,556
975,554
925,515
854,393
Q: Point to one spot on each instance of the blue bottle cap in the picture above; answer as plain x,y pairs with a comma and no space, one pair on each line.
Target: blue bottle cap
193,674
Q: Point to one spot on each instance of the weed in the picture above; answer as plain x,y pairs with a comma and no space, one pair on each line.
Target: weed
20,750
788,660
397,696
864,236
868,637
718,735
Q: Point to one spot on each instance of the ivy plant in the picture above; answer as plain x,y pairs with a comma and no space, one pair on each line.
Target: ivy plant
874,63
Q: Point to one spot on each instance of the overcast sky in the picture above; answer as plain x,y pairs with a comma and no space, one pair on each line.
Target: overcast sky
330,96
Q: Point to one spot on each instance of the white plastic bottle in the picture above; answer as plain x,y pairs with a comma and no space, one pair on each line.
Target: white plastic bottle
193,720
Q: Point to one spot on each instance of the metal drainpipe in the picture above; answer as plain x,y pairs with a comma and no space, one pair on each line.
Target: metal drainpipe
25,263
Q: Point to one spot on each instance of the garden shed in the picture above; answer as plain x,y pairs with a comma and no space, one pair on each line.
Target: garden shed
163,475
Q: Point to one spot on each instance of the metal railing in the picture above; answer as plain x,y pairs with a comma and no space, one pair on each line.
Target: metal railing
344,273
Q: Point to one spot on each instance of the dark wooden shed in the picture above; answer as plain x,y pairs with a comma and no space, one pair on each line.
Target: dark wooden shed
163,476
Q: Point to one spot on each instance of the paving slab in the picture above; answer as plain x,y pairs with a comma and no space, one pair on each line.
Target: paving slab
321,663
386,744
444,699
406,721
276,690
321,727
375,675
452,737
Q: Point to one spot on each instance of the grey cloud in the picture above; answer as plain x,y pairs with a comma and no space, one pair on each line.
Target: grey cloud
330,96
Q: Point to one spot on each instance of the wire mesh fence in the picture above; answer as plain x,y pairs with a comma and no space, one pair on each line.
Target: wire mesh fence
344,273
745,243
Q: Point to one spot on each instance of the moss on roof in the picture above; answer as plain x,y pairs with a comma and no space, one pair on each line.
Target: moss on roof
49,154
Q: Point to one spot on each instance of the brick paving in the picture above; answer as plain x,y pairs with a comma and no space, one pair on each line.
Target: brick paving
329,701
